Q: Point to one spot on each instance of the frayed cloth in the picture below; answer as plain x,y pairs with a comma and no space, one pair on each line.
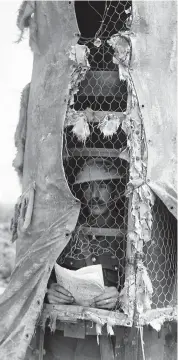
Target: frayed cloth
27,19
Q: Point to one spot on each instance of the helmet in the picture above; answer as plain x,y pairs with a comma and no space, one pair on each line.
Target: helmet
97,169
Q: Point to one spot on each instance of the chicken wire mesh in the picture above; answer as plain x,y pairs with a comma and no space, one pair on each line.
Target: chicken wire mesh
102,18
101,90
102,224
101,237
160,256
99,182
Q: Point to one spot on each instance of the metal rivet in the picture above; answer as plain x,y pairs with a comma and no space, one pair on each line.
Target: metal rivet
115,268
93,259
71,263
67,234
143,106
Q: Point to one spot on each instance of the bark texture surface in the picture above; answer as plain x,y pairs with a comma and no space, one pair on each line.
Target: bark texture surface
153,64
54,210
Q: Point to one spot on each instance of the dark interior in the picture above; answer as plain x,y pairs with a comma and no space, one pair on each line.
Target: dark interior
89,15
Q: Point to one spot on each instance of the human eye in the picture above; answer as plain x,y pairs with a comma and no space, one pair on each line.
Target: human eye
85,186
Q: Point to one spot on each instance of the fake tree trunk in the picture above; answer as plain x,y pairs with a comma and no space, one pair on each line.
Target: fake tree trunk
46,213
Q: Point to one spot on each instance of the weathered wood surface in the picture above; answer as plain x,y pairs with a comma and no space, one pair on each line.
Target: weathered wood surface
73,313
93,152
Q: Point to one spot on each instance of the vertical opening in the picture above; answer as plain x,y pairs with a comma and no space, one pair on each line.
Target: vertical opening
96,174
102,89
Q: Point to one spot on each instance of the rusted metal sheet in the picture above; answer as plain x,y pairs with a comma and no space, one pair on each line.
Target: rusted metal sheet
153,70
55,210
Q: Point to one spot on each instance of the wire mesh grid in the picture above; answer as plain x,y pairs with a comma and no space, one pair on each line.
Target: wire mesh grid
99,182
98,177
160,256
101,90
102,18
95,177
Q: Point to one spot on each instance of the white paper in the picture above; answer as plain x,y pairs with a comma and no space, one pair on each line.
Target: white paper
84,284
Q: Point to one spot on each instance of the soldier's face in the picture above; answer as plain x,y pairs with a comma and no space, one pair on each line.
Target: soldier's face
97,195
